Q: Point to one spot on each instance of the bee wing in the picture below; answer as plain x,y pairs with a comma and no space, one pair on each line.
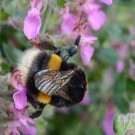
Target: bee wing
51,81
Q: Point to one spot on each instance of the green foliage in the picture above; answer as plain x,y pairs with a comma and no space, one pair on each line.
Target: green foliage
130,89
12,54
118,88
119,93
107,55
61,3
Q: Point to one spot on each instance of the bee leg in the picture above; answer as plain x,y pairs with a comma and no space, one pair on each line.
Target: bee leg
39,110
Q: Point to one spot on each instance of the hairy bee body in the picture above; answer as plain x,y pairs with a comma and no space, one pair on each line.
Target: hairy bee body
50,79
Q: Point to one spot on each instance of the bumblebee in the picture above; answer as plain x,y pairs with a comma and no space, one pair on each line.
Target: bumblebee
50,79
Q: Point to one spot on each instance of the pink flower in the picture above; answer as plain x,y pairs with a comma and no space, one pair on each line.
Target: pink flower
108,119
96,19
120,66
108,2
22,122
87,39
12,129
86,49
32,22
86,99
86,54
68,23
20,98
95,16
89,6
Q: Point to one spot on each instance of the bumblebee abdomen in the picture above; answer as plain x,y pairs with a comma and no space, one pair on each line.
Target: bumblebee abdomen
78,86
74,91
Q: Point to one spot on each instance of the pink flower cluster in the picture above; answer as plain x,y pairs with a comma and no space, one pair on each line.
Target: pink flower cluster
87,15
20,120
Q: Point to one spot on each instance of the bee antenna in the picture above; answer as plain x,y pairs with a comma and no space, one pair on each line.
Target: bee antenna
77,41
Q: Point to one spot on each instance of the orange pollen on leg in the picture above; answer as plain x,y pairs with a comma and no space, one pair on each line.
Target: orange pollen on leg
54,62
43,98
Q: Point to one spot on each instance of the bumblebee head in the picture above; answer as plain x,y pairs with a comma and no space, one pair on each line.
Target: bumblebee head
73,48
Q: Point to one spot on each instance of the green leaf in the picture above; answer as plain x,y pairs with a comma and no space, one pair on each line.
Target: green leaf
130,89
4,67
3,15
61,3
119,93
119,33
107,55
12,54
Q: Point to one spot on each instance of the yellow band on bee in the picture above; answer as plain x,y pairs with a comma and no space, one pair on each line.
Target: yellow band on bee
43,98
54,62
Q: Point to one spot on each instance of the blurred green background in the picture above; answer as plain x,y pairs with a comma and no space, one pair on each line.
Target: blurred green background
110,91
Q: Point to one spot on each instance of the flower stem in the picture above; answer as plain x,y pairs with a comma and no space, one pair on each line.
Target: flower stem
46,17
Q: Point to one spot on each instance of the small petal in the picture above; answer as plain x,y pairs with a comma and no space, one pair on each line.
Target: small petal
89,6
30,130
87,38
39,4
108,120
108,2
12,128
120,66
32,3
67,24
32,24
86,99
20,99
96,19
86,54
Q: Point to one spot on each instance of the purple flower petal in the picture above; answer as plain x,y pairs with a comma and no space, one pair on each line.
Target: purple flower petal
39,4
12,129
32,3
20,121
108,120
120,66
86,54
87,39
96,19
32,23
108,2
28,130
86,99
20,99
90,6
67,24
